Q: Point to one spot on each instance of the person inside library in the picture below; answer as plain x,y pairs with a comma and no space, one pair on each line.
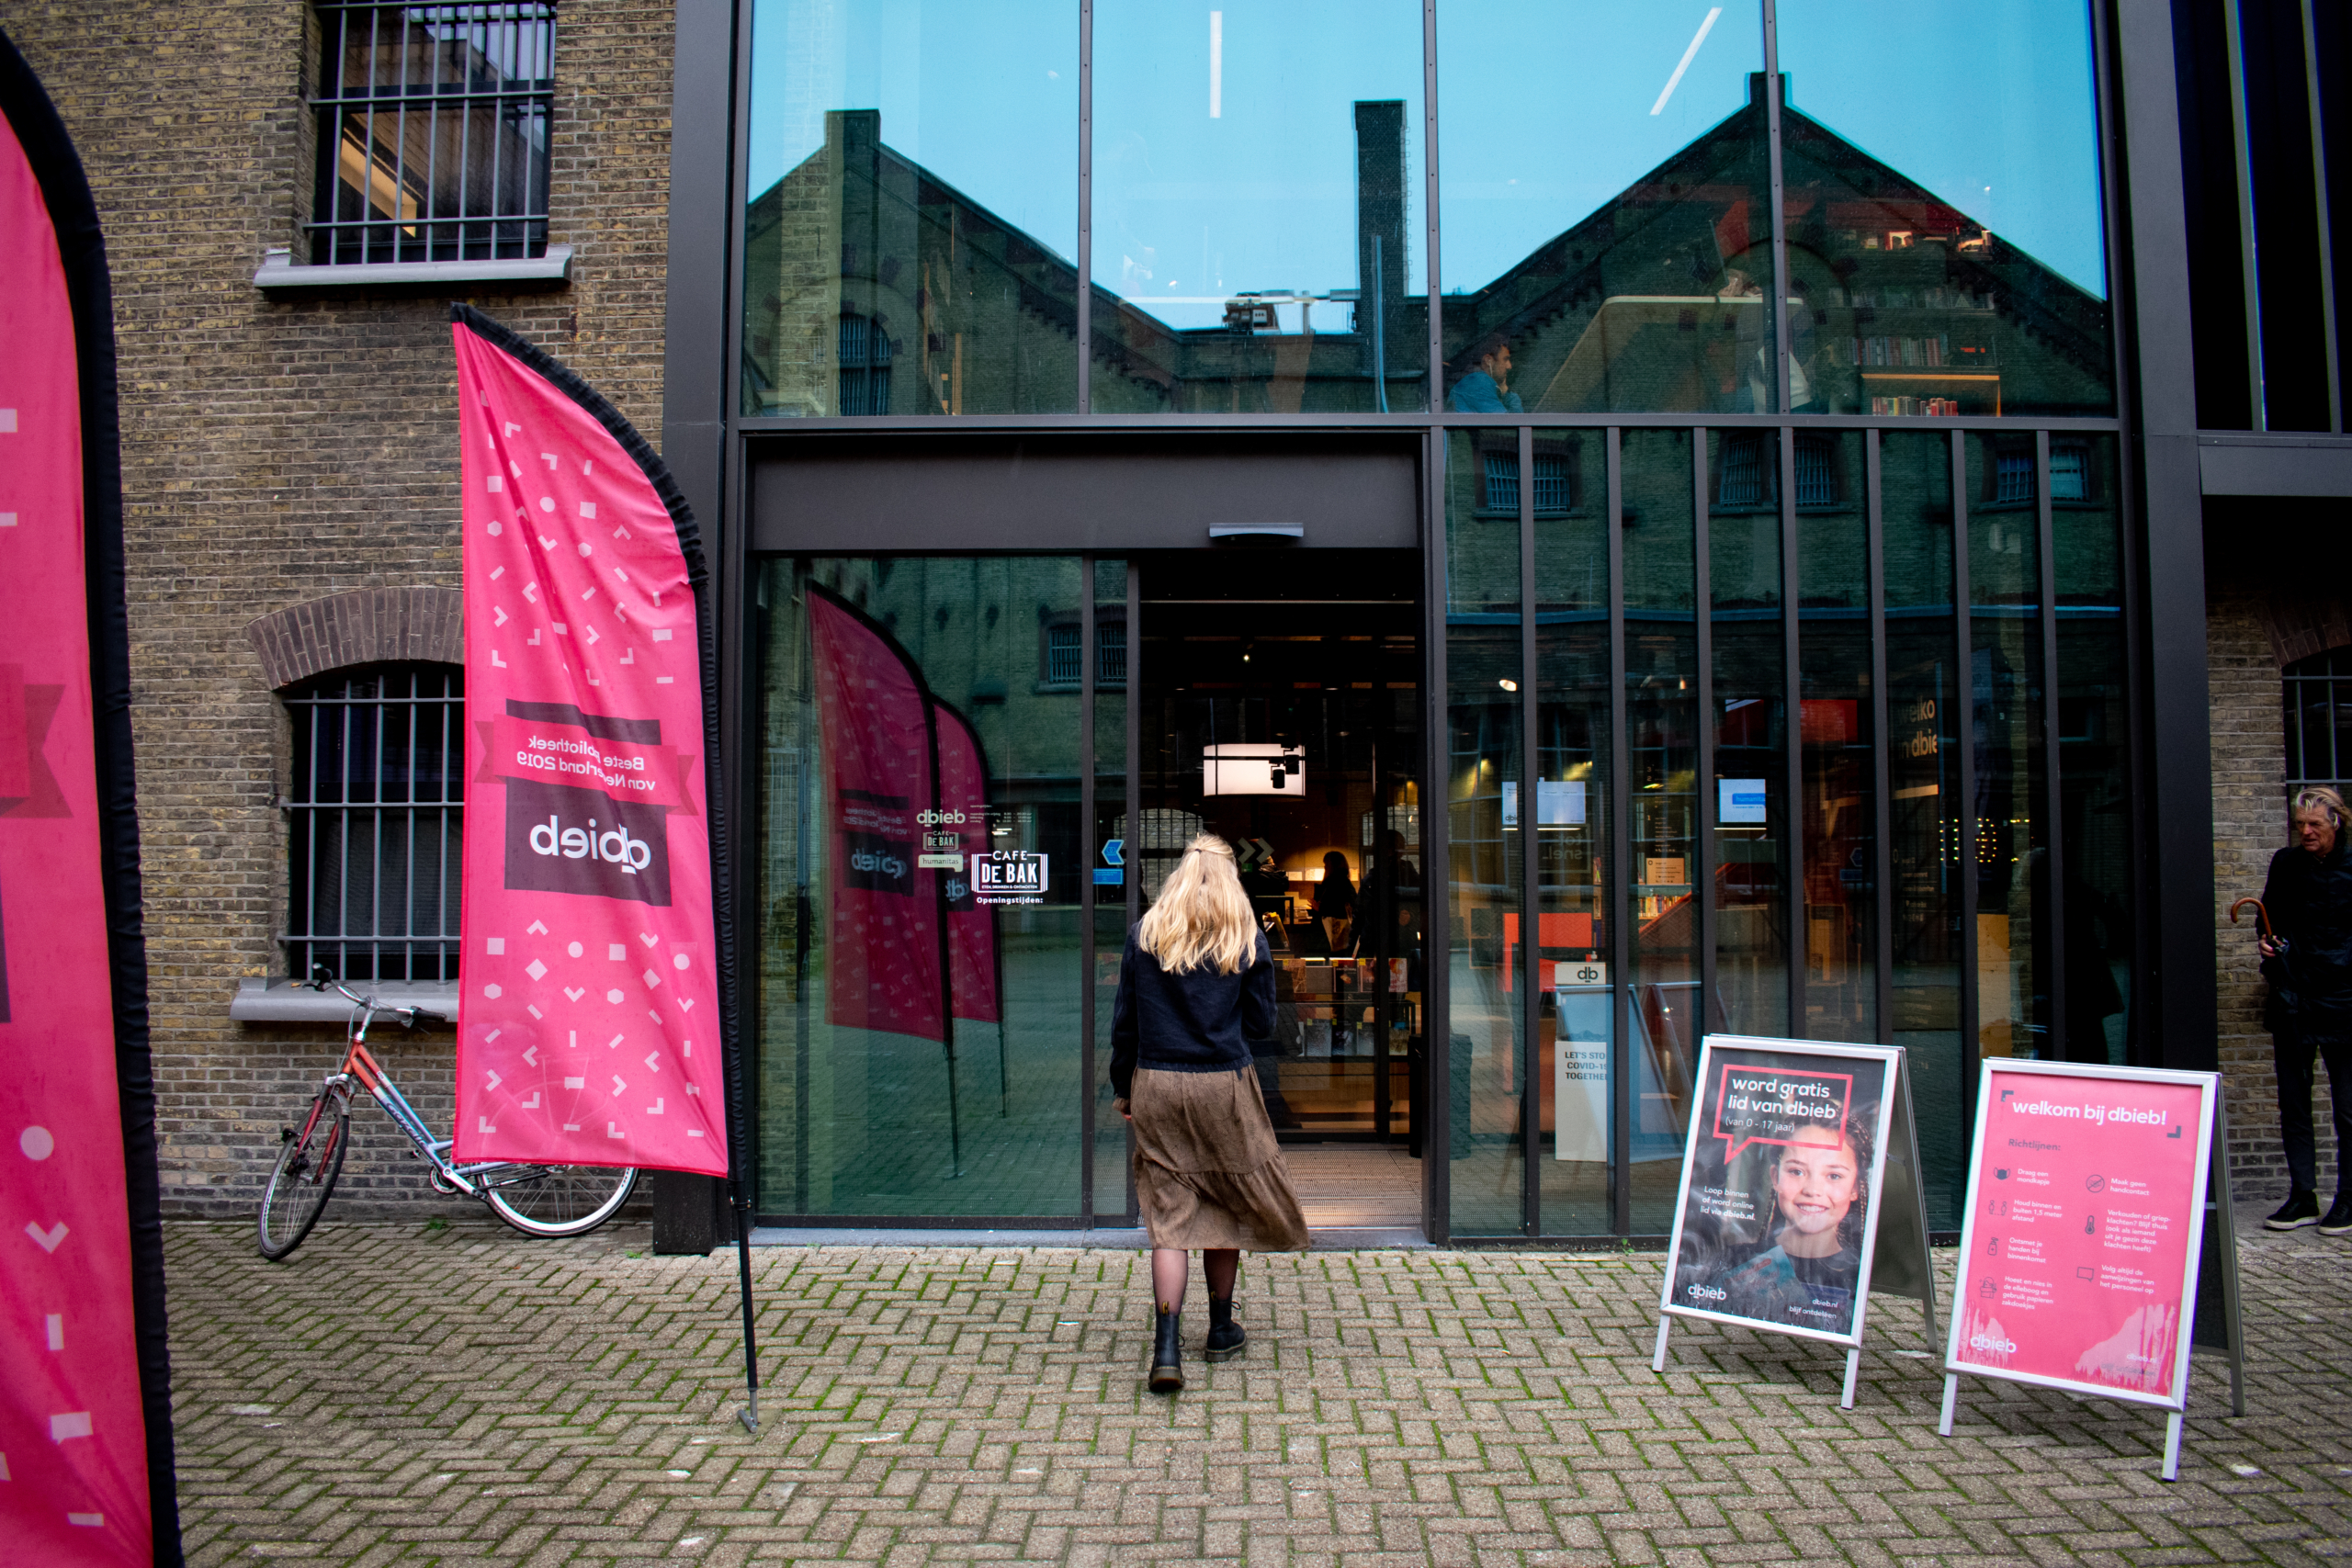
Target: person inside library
1487,389
1805,1276
2307,958
1196,984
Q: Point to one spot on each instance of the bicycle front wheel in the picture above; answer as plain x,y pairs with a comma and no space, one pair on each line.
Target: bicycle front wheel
308,1160
558,1200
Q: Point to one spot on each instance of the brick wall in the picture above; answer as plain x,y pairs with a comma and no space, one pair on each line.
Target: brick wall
2249,824
277,452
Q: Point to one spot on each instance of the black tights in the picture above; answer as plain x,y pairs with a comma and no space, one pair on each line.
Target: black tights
1171,1267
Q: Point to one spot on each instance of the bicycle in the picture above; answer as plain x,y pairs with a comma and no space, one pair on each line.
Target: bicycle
537,1199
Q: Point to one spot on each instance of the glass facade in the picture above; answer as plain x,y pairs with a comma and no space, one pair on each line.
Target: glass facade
1252,211
1756,701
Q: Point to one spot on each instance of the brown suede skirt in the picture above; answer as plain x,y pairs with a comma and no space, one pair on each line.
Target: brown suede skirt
1208,1171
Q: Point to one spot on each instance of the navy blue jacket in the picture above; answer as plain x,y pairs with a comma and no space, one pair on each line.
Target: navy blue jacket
1197,1021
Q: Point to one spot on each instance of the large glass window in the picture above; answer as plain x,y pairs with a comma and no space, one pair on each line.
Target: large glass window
1260,244
1486,873
918,1015
2007,733
1838,734
1946,254
1573,820
1923,799
1751,808
2094,750
1605,209
1662,724
910,242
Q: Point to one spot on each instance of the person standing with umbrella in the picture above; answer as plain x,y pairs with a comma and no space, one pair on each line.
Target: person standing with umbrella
1196,984
2307,958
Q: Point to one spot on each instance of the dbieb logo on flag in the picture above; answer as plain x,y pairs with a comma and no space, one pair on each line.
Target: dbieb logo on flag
590,1030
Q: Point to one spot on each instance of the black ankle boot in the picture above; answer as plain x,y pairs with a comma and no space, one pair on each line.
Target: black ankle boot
1226,1338
1167,1356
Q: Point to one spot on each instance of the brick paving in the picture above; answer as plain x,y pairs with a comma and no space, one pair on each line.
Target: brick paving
463,1395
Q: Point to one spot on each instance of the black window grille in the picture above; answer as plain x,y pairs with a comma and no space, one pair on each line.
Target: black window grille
433,132
864,350
2319,719
1064,647
1110,653
1745,477
375,819
1816,469
2069,472
2013,477
1553,489
1502,482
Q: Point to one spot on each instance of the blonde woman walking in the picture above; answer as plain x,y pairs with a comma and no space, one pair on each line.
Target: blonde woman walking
1196,985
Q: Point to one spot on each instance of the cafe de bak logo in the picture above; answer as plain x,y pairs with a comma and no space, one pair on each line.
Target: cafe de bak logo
1009,876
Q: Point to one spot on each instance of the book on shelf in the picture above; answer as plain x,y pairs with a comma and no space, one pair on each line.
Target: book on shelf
1916,408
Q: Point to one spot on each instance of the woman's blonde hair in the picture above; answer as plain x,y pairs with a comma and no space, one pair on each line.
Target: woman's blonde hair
1201,916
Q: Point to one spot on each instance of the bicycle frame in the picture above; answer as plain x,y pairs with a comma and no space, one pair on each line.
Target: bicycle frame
360,1066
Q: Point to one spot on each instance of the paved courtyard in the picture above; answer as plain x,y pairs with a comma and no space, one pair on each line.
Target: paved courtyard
464,1395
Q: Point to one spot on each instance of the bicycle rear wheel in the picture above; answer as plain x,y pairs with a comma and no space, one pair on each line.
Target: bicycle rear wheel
558,1200
308,1160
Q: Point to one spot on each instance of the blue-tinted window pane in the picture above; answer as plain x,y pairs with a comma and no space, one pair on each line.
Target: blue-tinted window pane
1259,235
1605,207
911,237
1946,251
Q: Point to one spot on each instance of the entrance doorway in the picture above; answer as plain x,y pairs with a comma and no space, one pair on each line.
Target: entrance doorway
1278,702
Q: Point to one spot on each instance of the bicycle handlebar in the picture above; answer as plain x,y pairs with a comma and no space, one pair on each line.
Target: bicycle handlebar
322,978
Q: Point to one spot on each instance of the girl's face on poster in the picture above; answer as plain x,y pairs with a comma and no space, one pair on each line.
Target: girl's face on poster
1816,1182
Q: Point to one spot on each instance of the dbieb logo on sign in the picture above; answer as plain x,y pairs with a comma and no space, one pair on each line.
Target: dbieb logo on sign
1006,876
605,833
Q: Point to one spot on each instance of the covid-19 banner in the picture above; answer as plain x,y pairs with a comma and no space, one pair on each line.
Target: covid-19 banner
85,1435
589,1030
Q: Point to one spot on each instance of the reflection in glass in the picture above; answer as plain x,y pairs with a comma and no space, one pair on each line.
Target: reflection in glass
1257,242
910,242
1662,731
1923,771
1945,246
1574,823
2005,726
2093,751
1486,868
1751,806
1606,208
1837,732
917,1047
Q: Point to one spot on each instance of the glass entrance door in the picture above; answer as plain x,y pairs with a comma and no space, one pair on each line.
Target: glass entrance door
1279,703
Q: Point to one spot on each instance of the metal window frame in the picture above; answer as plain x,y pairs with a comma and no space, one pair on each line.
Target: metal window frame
426,235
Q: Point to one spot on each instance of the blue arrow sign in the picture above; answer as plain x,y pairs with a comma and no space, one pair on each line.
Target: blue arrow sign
1112,851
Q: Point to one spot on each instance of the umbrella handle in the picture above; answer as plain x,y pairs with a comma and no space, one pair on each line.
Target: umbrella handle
2261,915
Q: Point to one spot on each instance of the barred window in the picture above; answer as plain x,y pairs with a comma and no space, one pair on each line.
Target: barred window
374,822
433,132
2069,471
2013,477
1064,648
1816,469
1746,470
1110,653
864,352
2319,719
1553,489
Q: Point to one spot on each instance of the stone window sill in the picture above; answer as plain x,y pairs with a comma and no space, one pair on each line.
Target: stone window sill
279,273
282,1002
